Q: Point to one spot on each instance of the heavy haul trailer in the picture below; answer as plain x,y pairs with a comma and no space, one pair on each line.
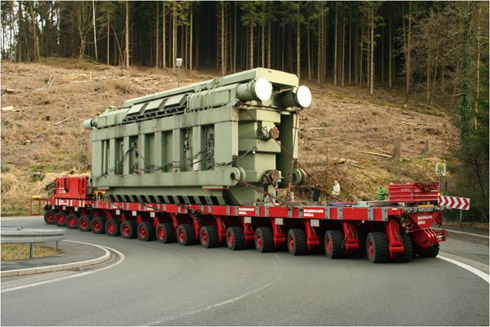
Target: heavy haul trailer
204,163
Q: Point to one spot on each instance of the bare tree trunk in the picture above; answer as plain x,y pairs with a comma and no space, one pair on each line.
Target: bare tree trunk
335,63
382,54
263,43
427,74
309,52
298,52
343,45
185,30
371,84
108,52
407,47
174,36
191,42
37,56
324,47
269,36
95,30
235,39
157,41
390,54
361,54
283,46
434,79
223,55
319,46
251,44
127,35
350,45
164,36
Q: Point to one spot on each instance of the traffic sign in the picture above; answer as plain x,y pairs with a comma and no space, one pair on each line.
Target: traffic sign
454,202
440,169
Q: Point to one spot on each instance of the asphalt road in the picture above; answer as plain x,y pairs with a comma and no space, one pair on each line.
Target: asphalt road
167,284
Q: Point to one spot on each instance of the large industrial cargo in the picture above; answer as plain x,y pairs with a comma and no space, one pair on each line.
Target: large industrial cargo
203,163
214,142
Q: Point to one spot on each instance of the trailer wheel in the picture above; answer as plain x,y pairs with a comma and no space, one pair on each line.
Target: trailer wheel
146,231
296,241
264,242
377,247
84,223
60,219
235,238
128,229
49,217
98,225
165,233
334,240
112,227
406,256
71,221
431,252
185,235
209,237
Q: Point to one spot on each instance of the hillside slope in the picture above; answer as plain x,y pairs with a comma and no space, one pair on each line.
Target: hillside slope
42,136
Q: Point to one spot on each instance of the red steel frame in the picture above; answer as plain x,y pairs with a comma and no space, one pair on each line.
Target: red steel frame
313,219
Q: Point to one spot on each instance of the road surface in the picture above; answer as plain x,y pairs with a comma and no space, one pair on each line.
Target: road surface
168,284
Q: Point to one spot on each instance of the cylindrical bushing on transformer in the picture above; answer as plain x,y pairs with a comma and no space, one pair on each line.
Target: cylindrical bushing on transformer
297,97
258,89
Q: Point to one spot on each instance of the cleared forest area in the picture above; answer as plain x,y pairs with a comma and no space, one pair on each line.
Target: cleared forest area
42,136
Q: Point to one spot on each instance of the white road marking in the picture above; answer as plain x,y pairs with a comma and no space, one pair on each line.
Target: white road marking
219,304
471,269
121,259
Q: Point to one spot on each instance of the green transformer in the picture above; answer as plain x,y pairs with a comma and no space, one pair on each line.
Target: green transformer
230,140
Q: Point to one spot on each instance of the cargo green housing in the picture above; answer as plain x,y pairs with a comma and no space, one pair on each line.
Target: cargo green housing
214,142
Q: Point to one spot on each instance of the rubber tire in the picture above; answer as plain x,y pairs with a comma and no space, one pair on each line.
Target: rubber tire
70,218
430,252
168,235
149,231
208,237
296,241
128,229
98,225
407,254
49,217
84,221
186,235
334,244
235,238
60,216
380,252
116,231
264,241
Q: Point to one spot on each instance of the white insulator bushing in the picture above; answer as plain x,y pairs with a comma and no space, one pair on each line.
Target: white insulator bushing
258,89
299,97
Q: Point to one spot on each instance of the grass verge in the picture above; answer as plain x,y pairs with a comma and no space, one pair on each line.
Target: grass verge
21,251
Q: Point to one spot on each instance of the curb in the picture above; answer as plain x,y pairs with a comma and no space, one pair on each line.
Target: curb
61,267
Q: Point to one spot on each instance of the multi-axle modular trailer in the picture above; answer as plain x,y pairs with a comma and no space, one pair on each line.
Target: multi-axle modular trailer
205,163
381,230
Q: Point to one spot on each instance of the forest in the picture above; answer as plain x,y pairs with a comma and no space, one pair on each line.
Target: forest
435,49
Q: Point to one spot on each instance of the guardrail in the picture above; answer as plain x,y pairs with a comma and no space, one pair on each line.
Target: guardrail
31,235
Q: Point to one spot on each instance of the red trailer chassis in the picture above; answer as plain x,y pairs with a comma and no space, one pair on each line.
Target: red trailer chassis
382,231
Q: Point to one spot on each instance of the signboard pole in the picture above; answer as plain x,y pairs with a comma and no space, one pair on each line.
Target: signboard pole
460,217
